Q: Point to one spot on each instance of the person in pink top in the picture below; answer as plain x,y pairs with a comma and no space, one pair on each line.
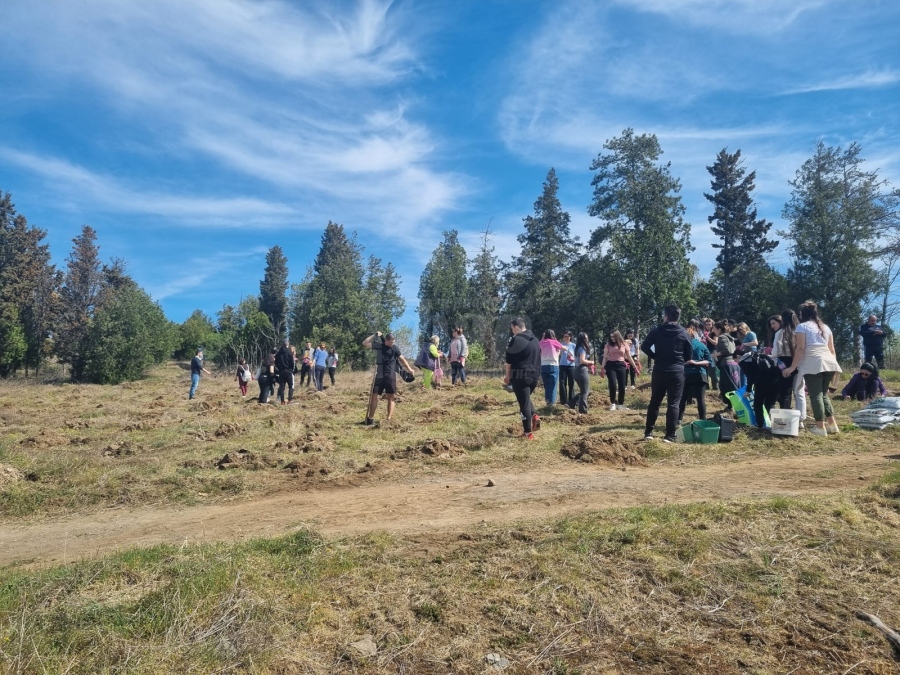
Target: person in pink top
550,350
616,355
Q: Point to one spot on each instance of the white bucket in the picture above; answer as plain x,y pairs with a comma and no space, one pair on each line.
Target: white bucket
785,422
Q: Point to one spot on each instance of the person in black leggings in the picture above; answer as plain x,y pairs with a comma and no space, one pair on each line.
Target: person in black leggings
616,357
671,348
523,370
696,375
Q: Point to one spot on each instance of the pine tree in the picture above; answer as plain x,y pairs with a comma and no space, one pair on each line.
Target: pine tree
836,212
273,290
642,243
536,279
443,288
383,302
28,288
485,300
331,307
744,242
78,298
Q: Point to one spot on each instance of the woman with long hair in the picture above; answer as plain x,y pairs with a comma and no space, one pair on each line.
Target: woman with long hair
567,369
551,348
583,363
783,351
864,385
635,367
816,361
775,322
695,372
616,356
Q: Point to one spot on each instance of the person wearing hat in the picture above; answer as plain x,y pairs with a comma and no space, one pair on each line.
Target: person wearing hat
864,385
196,370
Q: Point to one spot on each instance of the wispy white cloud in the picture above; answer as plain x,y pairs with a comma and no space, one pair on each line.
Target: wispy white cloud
199,271
742,16
104,193
865,80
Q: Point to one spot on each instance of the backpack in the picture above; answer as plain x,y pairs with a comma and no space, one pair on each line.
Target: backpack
425,359
245,374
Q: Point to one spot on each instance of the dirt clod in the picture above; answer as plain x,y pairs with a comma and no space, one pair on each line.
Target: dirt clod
118,450
606,448
236,460
440,448
227,430
9,475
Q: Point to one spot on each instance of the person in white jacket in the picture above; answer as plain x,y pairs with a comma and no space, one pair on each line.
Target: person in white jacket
459,351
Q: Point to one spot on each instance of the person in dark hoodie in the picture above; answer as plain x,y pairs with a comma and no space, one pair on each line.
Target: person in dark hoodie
284,365
523,370
671,347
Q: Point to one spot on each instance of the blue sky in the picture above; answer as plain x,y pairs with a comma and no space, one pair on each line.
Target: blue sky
195,134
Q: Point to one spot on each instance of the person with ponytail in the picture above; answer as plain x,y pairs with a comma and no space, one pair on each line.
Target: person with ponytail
816,361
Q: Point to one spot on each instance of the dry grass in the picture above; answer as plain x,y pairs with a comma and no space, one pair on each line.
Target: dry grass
758,587
84,447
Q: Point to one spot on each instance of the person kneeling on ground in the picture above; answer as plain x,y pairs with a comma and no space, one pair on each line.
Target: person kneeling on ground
865,384
523,369
387,356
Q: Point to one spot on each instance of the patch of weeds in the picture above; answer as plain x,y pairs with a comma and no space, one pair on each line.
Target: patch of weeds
428,611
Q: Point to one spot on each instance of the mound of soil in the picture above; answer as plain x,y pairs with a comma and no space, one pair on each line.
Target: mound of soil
391,425
227,430
244,459
9,475
598,399
77,424
606,448
337,408
118,450
432,414
440,448
43,440
309,468
310,443
207,406
569,416
485,402
143,425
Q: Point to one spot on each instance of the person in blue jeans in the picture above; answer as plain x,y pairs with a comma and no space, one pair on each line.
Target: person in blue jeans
196,369
551,348
320,361
567,369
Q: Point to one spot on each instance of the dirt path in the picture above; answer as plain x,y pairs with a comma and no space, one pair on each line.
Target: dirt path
435,504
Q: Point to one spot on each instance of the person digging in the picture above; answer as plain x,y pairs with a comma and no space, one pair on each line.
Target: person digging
387,358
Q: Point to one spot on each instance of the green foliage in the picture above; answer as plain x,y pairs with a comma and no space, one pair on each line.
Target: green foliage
128,334
537,278
243,332
28,288
836,212
273,290
743,237
330,305
383,302
443,288
477,357
767,293
198,331
78,298
486,301
639,251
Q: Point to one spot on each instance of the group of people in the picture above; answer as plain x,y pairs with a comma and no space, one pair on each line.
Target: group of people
430,358
280,366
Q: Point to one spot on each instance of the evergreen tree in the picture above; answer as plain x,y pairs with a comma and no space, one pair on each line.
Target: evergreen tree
383,302
244,332
836,212
273,290
642,244
332,304
198,331
443,286
78,298
28,287
128,333
485,301
536,278
744,242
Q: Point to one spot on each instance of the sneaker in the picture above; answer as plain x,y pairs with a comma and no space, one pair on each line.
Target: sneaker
536,423
669,439
369,422
818,431
648,437
632,387
528,437
612,407
832,428
623,407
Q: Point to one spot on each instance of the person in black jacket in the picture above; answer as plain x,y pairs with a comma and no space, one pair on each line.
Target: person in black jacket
523,369
284,365
670,347
873,335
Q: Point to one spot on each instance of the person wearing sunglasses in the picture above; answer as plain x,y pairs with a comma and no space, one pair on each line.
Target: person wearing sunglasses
864,385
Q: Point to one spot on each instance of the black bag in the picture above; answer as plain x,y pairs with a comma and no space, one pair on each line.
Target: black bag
726,428
404,374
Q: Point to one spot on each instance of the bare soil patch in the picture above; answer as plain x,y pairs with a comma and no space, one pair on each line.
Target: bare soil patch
607,448
440,448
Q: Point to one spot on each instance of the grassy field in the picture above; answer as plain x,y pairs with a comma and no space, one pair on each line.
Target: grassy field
727,586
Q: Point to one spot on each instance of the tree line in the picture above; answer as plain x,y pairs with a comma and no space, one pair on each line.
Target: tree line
842,240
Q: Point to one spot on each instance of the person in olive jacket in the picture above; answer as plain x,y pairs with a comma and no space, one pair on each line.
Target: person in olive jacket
670,347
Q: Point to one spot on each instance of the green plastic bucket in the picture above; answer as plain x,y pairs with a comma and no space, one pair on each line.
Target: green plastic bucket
705,432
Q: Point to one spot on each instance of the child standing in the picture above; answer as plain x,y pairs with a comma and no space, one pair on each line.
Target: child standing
244,376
